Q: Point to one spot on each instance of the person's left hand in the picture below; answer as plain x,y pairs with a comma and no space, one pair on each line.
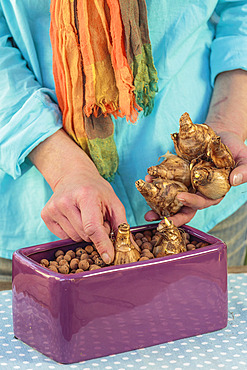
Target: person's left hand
194,202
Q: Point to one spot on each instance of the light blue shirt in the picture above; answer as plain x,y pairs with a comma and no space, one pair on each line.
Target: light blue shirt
189,50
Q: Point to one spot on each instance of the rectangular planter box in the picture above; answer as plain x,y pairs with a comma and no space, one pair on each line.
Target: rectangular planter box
76,317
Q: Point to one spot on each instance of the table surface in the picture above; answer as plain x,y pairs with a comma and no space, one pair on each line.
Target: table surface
226,348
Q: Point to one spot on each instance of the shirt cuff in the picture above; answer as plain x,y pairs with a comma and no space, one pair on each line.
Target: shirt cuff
38,119
228,53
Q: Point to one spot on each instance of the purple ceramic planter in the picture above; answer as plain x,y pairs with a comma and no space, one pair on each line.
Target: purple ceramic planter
71,318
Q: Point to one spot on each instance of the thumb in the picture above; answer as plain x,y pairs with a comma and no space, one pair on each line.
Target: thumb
239,175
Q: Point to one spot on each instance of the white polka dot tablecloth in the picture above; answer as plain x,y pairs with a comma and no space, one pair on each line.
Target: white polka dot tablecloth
226,348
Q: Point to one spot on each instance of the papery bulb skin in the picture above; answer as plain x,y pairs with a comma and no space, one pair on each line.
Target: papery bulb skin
220,154
192,139
125,249
161,194
210,181
172,168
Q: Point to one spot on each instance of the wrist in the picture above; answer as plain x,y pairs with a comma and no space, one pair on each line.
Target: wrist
227,111
59,156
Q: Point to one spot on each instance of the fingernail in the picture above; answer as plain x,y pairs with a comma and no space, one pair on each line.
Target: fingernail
106,258
237,179
181,199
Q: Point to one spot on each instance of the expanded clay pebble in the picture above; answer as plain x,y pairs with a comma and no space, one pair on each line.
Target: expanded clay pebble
53,268
89,249
44,262
62,262
147,245
64,269
144,259
71,253
88,259
79,252
148,233
139,236
67,257
84,256
94,267
54,263
139,242
59,253
83,265
147,253
60,258
79,270
74,263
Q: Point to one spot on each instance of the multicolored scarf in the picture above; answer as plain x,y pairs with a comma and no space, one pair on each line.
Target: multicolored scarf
103,66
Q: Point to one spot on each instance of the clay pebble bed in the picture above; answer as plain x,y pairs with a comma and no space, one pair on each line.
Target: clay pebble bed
87,258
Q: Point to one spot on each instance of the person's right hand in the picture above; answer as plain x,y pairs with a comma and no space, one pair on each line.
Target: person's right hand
84,205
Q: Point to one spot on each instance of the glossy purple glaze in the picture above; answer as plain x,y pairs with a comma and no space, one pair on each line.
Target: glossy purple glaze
71,318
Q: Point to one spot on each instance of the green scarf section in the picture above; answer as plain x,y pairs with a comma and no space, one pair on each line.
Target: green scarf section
100,149
145,79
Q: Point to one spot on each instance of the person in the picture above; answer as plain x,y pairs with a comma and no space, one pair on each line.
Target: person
51,188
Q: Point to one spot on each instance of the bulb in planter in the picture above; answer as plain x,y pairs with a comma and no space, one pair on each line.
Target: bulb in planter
125,249
170,240
210,181
161,194
192,140
172,168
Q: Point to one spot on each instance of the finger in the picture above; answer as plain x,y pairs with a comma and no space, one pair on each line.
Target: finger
74,224
149,178
69,229
107,227
151,216
196,201
67,216
66,225
239,175
183,217
55,228
52,217
93,226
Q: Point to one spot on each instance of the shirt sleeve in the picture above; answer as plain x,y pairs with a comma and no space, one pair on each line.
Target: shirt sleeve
229,48
28,111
